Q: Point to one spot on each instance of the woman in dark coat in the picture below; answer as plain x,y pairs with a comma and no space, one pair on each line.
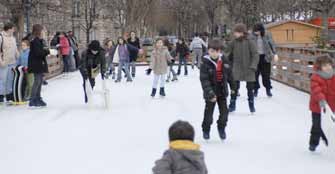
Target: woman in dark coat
242,52
134,41
37,64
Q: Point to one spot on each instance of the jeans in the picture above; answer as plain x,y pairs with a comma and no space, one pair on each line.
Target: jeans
197,57
171,71
67,63
158,78
133,68
182,61
264,69
37,86
125,66
209,111
6,79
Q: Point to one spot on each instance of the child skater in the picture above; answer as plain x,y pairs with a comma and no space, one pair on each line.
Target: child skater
213,77
322,94
23,61
183,155
171,72
159,65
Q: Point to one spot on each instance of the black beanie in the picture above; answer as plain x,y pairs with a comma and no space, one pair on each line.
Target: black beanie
94,45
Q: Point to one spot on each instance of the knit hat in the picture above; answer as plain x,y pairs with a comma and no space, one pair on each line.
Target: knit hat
94,45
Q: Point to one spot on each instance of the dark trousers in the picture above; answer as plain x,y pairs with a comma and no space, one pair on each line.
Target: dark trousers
235,86
37,86
92,83
209,111
182,61
264,69
67,63
76,58
316,131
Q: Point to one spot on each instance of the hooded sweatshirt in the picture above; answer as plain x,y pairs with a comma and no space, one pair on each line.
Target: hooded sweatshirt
183,157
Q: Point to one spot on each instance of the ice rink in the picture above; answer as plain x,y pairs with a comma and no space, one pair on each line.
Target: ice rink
68,137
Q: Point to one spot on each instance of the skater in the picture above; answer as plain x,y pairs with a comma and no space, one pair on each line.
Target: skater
196,47
322,94
243,54
160,58
267,53
134,41
92,63
213,79
122,53
64,47
183,155
23,61
74,45
109,46
182,51
8,57
37,64
171,71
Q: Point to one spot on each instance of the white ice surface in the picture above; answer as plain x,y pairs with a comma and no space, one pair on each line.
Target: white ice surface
69,138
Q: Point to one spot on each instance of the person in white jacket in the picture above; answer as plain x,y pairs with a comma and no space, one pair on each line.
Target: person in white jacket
196,47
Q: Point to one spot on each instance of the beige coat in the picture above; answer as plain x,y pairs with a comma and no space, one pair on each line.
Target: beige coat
159,61
10,52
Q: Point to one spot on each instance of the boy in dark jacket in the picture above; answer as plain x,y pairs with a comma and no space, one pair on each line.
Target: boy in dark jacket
183,156
322,94
213,77
92,63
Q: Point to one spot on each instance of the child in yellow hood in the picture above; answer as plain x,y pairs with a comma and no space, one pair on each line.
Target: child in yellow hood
183,155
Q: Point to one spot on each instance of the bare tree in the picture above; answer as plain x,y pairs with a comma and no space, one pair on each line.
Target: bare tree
324,7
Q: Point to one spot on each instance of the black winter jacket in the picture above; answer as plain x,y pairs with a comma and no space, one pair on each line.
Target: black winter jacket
89,61
37,62
182,49
210,86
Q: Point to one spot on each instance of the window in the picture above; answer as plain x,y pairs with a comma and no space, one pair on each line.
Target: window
76,9
290,34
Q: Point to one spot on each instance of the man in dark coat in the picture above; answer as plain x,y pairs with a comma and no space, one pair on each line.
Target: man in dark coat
92,63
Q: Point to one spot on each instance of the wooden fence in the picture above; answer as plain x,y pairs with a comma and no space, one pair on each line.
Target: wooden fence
295,66
55,66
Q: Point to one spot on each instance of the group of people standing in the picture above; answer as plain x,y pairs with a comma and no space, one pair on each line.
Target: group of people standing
243,59
32,58
66,45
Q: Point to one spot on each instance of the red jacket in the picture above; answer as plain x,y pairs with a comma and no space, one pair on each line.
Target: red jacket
322,89
64,46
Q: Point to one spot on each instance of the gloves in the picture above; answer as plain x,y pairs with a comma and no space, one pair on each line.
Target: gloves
323,104
148,71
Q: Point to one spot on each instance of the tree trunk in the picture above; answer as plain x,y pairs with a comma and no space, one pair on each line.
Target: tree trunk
324,32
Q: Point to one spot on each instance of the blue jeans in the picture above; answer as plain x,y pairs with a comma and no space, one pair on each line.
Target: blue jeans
6,79
182,60
125,66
